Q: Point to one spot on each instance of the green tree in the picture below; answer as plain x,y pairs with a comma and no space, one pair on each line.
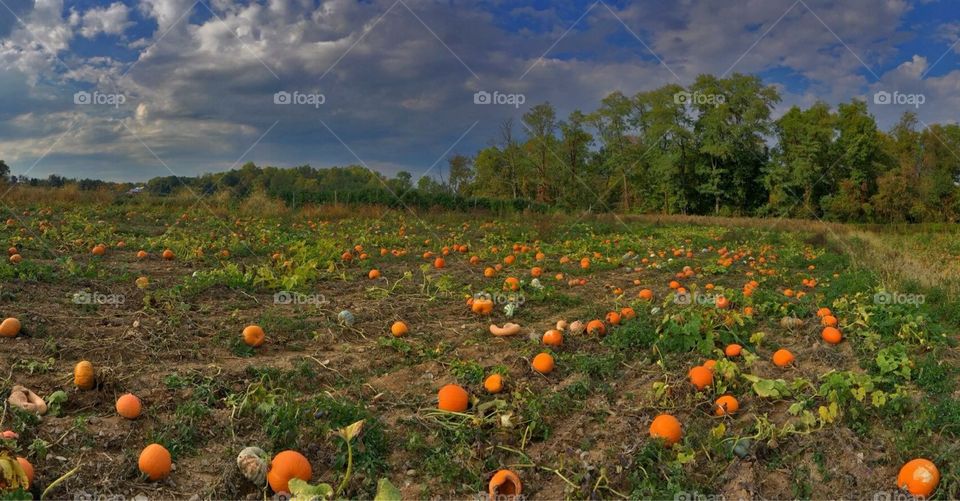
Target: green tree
801,161
461,174
541,123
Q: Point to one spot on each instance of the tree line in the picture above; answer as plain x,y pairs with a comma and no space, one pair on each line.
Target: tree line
711,148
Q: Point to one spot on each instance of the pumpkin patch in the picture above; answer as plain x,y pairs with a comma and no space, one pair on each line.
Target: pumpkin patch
335,354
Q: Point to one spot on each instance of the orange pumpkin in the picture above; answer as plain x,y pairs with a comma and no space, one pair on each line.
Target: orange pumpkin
726,405
919,477
129,406
613,318
27,469
399,328
596,327
831,335
287,466
732,350
493,383
504,485
155,462
543,363
452,398
783,357
10,327
253,336
553,337
700,377
666,428
83,375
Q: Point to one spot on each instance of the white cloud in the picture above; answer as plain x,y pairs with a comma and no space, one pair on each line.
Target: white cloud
112,20
200,93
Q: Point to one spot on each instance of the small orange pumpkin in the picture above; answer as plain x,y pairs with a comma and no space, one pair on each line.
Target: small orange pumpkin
783,357
596,326
726,405
504,485
253,335
83,375
10,327
155,462
732,350
399,329
493,383
700,377
553,337
129,406
543,363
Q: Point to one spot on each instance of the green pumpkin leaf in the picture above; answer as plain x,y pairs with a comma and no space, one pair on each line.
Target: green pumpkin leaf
303,491
386,491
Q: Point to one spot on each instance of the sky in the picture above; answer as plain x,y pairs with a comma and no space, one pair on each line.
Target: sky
128,90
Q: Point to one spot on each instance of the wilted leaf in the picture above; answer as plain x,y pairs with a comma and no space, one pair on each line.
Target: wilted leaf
350,432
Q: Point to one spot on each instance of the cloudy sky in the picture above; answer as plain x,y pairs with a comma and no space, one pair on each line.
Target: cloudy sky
133,89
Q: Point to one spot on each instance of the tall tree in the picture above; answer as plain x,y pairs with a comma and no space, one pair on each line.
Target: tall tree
801,161
541,123
461,174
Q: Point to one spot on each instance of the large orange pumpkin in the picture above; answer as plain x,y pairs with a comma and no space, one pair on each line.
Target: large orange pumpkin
667,428
919,477
286,466
452,398
155,462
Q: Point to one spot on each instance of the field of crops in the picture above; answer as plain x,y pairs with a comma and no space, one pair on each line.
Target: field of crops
650,360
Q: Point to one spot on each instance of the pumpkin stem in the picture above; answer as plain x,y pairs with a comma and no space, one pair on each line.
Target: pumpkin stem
346,474
58,481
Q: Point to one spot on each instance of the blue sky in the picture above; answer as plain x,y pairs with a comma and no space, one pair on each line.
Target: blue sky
191,86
